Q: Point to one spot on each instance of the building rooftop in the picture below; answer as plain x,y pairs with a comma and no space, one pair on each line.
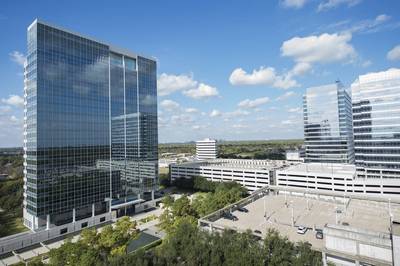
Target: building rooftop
312,212
112,47
237,163
332,168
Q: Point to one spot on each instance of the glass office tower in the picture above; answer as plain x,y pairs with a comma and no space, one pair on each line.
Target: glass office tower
90,133
328,124
376,117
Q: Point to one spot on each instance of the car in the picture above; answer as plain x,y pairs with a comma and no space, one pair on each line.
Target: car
319,234
230,216
301,230
257,231
242,209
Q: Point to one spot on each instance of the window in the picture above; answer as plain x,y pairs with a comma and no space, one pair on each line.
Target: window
102,219
63,231
130,64
83,225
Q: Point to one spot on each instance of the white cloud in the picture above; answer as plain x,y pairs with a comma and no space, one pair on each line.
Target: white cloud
329,4
295,110
191,110
14,100
169,105
18,57
366,63
293,3
394,54
286,95
300,69
253,103
236,113
239,126
168,84
325,48
262,76
5,109
215,113
202,91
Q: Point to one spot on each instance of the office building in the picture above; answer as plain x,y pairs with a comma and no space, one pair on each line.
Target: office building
376,118
251,174
295,155
90,132
206,149
328,124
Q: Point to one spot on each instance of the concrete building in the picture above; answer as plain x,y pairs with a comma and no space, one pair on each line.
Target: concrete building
252,174
295,155
376,117
328,124
206,149
90,130
356,231
335,177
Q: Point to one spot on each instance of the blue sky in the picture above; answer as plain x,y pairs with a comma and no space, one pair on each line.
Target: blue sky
232,70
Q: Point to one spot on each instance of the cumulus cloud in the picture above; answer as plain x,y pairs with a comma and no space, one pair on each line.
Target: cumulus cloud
295,110
18,57
325,48
202,91
236,113
330,4
191,110
169,105
262,76
286,95
253,103
14,100
394,54
293,3
215,113
168,84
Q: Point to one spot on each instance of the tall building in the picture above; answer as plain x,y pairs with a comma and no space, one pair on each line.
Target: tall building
376,118
90,132
328,124
206,149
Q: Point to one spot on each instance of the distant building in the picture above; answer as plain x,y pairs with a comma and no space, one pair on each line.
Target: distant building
206,149
328,124
252,174
295,155
376,117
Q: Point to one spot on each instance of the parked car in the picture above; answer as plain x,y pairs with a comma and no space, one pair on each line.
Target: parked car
230,216
301,230
319,234
242,209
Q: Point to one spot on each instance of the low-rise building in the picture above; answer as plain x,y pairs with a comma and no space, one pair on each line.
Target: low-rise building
206,149
252,174
335,177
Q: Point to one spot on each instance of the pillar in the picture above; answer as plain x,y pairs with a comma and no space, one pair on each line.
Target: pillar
93,210
152,195
73,215
48,222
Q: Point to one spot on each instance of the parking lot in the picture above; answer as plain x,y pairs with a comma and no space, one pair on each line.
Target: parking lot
275,211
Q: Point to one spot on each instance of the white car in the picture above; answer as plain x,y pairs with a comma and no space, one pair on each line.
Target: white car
301,230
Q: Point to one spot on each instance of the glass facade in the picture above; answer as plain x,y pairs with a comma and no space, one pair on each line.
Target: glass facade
328,124
90,125
376,116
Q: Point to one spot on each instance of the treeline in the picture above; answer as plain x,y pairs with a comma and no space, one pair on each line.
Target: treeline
11,195
216,195
189,245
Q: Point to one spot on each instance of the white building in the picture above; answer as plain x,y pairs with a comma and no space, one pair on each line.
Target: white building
206,149
335,177
376,117
252,174
295,155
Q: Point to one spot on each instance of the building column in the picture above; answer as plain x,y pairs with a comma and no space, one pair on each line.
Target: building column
152,195
324,263
93,210
48,222
73,215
